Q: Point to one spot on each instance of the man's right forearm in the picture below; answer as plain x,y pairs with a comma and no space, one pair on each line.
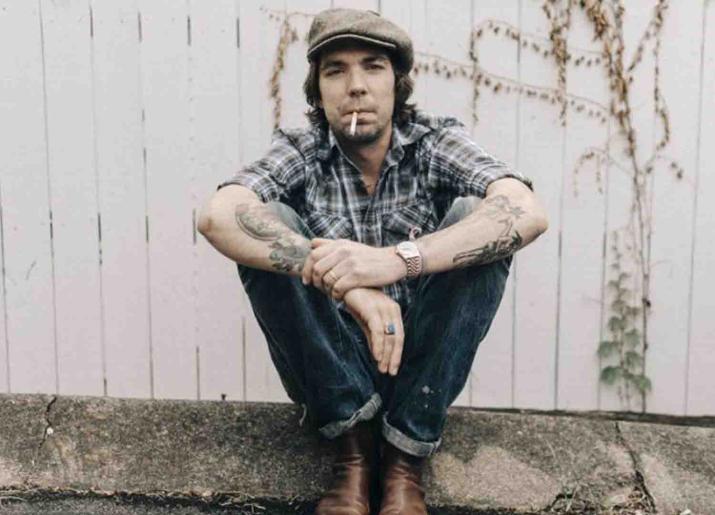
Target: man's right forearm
245,230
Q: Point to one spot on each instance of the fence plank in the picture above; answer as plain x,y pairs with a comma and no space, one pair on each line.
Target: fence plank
71,151
27,266
497,131
537,266
700,379
260,36
583,221
214,155
673,199
122,192
620,183
443,18
165,89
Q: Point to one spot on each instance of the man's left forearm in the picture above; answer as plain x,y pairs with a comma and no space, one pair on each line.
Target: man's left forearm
506,220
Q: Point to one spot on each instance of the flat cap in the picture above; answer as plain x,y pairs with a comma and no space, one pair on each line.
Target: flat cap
368,26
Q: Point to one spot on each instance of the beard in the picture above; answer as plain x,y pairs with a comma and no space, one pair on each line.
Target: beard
363,135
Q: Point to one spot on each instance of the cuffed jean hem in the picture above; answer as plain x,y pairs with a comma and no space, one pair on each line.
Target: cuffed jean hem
367,412
407,444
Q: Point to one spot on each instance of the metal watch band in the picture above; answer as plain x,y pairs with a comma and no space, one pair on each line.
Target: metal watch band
414,266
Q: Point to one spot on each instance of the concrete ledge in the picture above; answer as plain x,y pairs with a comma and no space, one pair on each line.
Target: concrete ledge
490,461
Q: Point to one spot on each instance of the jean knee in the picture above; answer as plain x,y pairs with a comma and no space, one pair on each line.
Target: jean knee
288,216
460,208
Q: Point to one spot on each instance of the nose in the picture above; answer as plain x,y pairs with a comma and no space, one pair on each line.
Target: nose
356,83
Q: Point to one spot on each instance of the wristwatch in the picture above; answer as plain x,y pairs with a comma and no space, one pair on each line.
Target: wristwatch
409,252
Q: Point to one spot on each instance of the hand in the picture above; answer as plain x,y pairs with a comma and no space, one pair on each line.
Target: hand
337,266
373,311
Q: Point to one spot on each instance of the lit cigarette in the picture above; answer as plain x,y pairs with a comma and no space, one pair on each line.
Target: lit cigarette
353,124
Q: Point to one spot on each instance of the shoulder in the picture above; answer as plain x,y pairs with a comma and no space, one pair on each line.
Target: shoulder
303,142
429,129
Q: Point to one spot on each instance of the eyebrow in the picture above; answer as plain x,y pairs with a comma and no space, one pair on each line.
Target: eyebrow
367,59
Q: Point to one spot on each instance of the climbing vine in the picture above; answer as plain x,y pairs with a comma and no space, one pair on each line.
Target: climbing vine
624,350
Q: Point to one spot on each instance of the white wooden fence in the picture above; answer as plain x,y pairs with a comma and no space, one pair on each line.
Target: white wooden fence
117,120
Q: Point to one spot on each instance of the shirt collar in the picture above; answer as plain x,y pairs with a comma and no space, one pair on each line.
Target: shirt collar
402,136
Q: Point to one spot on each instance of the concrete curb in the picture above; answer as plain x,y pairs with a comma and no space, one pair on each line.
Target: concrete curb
497,461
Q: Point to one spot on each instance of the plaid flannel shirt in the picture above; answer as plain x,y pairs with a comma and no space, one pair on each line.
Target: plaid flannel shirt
430,162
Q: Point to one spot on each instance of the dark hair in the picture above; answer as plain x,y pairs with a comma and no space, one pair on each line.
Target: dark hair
404,85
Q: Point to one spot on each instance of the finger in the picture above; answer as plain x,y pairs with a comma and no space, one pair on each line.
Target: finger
398,347
343,285
324,271
306,275
377,336
389,343
317,242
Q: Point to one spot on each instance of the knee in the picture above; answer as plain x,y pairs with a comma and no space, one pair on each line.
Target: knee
460,208
288,216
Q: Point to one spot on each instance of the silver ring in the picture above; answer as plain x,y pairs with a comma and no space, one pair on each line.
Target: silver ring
390,328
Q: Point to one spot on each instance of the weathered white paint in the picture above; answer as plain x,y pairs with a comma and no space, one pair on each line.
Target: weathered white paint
168,317
122,193
701,334
71,148
29,338
541,141
497,131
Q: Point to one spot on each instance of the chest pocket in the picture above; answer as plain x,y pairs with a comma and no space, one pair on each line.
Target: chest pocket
408,222
328,225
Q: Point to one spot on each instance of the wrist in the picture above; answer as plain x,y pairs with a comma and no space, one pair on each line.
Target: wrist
398,264
410,254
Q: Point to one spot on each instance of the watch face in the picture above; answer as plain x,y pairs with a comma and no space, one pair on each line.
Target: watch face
407,249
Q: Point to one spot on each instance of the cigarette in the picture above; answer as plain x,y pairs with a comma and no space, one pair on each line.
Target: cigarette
353,124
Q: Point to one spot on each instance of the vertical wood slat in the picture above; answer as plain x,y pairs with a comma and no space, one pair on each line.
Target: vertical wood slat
457,16
620,182
166,89
4,347
582,225
700,392
259,43
71,145
28,279
672,213
122,191
541,140
497,132
215,114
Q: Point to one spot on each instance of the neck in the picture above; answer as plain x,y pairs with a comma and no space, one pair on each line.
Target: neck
368,156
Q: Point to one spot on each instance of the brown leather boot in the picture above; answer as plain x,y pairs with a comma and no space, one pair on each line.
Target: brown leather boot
401,478
353,471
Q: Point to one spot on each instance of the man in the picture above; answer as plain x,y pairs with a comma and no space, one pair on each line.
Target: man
374,248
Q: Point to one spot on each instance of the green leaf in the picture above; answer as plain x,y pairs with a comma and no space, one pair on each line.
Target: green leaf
642,383
633,311
609,375
632,338
606,348
618,305
632,359
614,286
615,323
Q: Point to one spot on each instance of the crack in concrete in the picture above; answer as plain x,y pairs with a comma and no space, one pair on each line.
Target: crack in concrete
49,429
637,468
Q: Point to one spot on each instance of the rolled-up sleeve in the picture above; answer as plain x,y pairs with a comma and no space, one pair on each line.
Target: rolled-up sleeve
277,175
457,164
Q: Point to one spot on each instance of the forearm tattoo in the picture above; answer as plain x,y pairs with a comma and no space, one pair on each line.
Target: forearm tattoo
288,252
509,240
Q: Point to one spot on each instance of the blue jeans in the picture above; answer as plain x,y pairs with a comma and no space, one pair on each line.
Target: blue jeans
324,362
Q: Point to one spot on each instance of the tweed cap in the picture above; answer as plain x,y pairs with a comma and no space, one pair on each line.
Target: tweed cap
368,26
